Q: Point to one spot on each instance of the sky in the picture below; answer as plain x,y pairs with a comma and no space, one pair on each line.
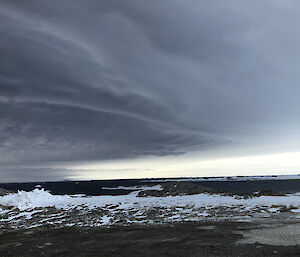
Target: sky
100,89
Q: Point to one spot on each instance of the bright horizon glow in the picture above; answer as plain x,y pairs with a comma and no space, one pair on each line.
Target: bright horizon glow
271,164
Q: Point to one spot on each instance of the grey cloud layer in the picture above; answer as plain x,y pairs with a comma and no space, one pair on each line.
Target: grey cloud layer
96,80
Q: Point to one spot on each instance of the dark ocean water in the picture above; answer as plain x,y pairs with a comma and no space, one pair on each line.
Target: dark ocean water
96,187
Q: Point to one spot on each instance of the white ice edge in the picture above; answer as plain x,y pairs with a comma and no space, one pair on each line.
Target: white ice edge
228,178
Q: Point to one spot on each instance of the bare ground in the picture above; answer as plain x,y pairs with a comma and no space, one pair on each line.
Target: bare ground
178,239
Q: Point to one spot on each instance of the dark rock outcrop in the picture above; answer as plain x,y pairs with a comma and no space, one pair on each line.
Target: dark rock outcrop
177,188
4,192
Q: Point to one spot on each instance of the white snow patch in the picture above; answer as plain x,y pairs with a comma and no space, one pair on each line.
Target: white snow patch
36,198
28,215
296,210
157,187
105,220
129,209
40,198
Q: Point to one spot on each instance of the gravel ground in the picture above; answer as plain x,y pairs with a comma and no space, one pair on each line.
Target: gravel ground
274,234
179,239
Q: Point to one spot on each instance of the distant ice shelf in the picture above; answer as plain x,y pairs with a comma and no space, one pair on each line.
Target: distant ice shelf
228,178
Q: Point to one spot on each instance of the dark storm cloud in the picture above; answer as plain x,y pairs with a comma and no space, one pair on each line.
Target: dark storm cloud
97,80
33,174
41,132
